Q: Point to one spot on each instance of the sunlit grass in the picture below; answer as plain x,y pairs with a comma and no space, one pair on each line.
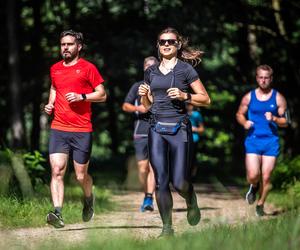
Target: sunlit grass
284,200
16,212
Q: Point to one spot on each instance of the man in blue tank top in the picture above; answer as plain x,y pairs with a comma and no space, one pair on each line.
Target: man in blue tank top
261,112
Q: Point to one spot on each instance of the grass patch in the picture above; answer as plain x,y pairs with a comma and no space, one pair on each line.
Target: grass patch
284,199
16,212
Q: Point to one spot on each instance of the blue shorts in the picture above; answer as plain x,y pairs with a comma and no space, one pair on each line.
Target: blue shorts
141,148
77,143
268,146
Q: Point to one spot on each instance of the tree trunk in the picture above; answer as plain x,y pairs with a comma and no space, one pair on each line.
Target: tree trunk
17,126
37,66
21,174
16,101
278,18
253,44
5,177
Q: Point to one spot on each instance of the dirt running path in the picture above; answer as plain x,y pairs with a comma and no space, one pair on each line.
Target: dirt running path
219,205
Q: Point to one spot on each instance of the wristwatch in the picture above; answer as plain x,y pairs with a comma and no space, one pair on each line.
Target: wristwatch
83,96
188,97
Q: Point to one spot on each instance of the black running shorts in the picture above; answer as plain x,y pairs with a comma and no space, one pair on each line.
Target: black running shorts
141,148
79,144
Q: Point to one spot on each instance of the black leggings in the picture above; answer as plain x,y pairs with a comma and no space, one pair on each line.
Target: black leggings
170,157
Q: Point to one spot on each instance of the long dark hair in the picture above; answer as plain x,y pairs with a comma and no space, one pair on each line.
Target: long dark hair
185,52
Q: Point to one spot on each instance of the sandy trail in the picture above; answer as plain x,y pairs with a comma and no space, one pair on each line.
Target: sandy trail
219,205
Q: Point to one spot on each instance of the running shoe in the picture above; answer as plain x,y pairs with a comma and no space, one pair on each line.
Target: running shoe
147,204
55,219
88,208
193,211
259,210
251,194
167,231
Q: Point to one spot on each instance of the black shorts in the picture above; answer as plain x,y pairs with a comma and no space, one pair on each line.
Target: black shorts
141,148
77,143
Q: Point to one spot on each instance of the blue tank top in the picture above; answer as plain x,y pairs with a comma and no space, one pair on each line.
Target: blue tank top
256,113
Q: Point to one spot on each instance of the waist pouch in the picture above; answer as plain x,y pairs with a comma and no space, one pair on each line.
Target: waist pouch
169,128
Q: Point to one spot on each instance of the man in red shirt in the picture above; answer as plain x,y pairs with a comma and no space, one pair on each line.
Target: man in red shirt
75,83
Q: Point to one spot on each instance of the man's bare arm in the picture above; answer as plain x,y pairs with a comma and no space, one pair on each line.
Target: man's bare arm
242,110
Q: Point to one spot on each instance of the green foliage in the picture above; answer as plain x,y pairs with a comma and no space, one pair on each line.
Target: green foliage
286,177
119,34
217,138
220,98
294,190
286,173
149,8
101,148
285,199
34,163
4,157
5,172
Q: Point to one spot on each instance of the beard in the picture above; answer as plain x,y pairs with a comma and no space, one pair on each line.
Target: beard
69,56
265,86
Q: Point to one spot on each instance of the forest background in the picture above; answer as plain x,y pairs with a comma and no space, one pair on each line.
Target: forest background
236,37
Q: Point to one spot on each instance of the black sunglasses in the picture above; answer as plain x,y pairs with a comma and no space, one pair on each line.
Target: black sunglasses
162,42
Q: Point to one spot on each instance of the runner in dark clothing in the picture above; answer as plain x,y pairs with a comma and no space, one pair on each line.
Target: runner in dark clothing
165,92
132,104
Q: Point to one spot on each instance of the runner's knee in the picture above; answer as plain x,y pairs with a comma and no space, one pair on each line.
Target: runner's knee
57,172
80,177
143,166
162,186
252,177
182,187
266,178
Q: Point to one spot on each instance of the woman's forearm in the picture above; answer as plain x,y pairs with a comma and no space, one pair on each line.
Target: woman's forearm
200,99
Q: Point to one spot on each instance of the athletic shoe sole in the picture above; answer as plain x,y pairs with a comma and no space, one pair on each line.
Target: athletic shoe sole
193,212
148,208
85,219
88,219
53,220
193,216
261,213
167,233
147,205
250,201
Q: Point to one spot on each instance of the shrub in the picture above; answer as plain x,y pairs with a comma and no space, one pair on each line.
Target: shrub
286,173
34,164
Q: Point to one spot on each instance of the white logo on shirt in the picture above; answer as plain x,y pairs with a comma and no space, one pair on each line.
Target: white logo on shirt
77,71
272,106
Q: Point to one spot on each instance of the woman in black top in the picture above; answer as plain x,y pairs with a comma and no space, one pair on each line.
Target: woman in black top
165,92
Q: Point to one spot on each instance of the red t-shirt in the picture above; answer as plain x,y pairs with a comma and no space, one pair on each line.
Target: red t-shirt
81,78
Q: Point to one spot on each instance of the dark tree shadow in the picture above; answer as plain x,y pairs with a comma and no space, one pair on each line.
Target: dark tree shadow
107,227
179,210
